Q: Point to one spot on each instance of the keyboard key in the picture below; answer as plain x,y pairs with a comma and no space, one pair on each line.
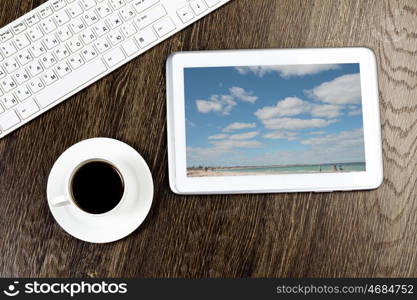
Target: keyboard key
19,27
141,5
37,49
48,60
128,29
35,34
27,108
77,25
127,13
103,10
36,85
70,82
32,19
74,44
21,76
8,49
62,69
146,37
21,41
47,25
61,52
101,28
49,77
45,11
50,42
114,21
115,37
8,120
150,16
8,101
34,68
24,57
102,45
74,10
87,36
116,4
212,3
58,4
76,61
90,17
64,34
11,65
22,93
89,53
5,35
130,47
164,27
7,83
186,14
2,73
87,4
61,17
198,6
114,57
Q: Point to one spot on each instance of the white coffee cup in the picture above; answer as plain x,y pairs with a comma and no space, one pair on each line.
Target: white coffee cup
67,198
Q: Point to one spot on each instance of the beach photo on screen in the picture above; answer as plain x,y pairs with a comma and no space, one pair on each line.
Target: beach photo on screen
269,120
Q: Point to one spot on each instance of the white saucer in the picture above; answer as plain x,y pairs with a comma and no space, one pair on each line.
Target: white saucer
129,214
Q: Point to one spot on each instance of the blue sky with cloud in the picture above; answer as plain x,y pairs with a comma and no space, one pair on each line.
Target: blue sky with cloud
273,115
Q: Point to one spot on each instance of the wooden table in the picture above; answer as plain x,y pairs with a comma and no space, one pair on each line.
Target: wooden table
371,233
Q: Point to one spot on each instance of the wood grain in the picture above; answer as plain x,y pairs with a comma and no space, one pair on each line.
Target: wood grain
352,234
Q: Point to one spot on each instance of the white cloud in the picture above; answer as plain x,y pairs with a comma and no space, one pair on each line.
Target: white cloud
230,144
285,135
287,71
220,136
325,111
296,124
347,138
238,126
342,90
242,95
346,146
244,136
355,112
292,106
217,103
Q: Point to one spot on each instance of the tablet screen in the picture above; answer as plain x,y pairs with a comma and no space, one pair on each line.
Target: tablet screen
262,120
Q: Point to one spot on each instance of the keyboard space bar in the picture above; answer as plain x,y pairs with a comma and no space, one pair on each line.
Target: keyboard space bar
69,83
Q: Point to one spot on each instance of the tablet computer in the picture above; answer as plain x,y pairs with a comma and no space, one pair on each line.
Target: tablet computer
260,121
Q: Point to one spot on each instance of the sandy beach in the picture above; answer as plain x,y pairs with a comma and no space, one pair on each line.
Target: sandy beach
210,173
202,173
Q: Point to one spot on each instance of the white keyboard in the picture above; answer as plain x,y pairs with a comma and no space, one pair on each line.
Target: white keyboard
63,46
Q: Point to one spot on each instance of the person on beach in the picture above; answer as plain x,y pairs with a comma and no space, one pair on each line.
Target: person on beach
334,168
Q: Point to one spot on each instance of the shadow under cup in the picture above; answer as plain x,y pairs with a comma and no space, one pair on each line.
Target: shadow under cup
97,187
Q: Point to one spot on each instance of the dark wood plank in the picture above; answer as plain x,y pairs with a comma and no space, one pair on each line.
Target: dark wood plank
370,233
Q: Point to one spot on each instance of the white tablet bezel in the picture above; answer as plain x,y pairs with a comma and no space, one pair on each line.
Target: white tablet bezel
181,184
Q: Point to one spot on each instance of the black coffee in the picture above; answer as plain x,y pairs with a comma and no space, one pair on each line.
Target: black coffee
97,187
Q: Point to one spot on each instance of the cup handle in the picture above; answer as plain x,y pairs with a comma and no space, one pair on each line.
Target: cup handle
60,201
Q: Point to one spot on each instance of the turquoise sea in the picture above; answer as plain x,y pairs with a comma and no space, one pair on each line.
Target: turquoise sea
341,167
